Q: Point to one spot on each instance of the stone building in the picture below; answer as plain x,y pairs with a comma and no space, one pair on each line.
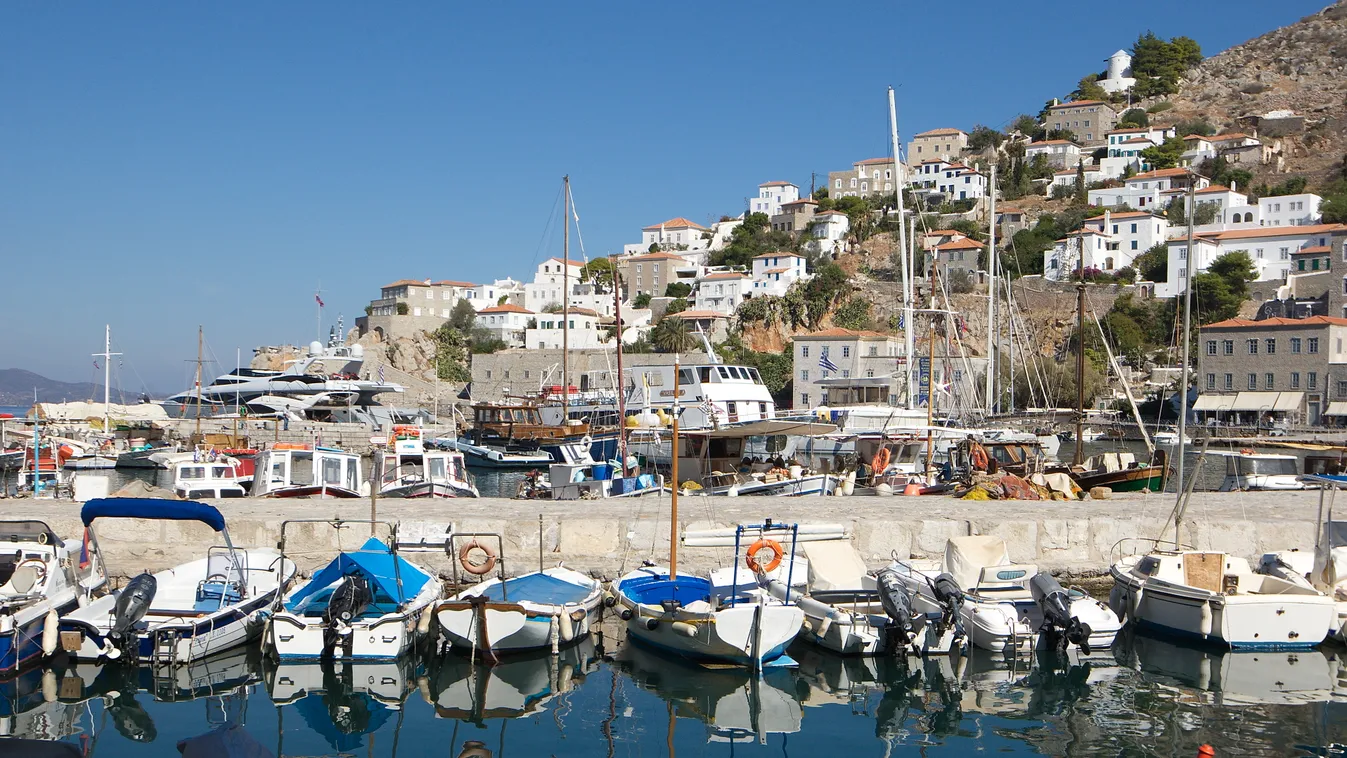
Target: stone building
1089,120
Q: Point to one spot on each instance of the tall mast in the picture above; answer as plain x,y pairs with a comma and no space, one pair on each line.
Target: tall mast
673,472
566,306
106,355
621,383
991,301
904,253
1187,327
199,340
930,377
1079,456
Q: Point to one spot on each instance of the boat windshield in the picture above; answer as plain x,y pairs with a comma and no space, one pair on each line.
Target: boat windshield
1269,466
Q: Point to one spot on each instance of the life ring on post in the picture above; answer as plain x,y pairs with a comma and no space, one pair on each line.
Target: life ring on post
880,463
477,569
586,440
751,559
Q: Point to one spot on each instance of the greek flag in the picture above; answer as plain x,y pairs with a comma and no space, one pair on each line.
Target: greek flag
826,364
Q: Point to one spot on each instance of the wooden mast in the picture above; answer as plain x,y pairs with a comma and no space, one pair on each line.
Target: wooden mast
673,472
930,376
566,308
621,383
1079,457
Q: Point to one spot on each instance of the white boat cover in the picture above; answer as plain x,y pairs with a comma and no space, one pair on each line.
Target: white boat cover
80,411
834,565
1330,559
965,557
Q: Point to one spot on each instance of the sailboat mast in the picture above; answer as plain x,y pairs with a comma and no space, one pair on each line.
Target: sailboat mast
1079,457
1187,329
905,254
106,355
566,306
991,395
930,378
621,384
199,341
673,472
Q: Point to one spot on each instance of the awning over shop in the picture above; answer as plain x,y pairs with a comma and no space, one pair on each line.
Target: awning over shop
1254,401
1214,403
1336,409
1280,402
1288,401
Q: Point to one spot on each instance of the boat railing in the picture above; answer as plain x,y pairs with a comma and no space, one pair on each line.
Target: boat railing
1116,552
764,530
469,540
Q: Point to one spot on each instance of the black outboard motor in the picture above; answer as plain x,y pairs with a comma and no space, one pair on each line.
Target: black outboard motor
1057,618
950,598
350,599
133,602
898,605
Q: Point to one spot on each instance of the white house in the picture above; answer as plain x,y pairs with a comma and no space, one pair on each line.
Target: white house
547,284
1119,74
1198,148
722,292
1146,191
1060,152
1061,261
959,182
1232,208
505,322
675,234
771,195
485,295
927,174
830,228
1116,138
584,332
1067,176
1289,210
1270,248
1109,242
868,177
721,233
773,273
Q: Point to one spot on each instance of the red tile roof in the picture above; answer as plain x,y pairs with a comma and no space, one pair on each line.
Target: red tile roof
408,282
873,161
831,213
584,312
1314,249
698,314
1214,188
451,283
777,255
963,243
725,276
507,308
675,223
777,271
1127,131
1275,231
1311,321
944,132
573,263
660,256
1160,174
942,233
1032,145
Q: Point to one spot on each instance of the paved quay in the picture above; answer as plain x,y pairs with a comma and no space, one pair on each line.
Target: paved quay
607,536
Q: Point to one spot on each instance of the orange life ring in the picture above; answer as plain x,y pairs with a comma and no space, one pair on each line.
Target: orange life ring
880,463
751,560
978,454
1246,451
476,569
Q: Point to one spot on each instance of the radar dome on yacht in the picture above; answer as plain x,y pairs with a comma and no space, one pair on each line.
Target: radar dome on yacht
315,347
357,351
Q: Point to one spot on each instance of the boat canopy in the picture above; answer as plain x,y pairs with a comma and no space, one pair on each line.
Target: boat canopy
377,564
152,508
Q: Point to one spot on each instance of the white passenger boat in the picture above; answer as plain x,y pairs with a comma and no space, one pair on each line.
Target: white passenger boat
207,479
181,614
1247,470
409,470
540,610
1214,597
43,578
303,470
367,604
1003,606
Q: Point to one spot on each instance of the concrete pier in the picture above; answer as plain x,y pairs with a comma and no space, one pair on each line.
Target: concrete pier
606,536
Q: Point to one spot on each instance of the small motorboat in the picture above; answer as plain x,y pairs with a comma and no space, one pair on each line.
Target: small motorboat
1247,470
185,613
409,470
207,479
302,470
1003,606
1325,568
540,610
369,603
496,456
43,578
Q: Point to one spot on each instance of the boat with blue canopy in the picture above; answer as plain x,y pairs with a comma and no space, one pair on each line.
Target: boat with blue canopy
182,614
368,603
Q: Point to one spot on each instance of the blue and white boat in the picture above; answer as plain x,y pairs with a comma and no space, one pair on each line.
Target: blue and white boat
41,578
367,604
184,613
541,610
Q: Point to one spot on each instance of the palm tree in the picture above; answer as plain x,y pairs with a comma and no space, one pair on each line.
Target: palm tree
671,335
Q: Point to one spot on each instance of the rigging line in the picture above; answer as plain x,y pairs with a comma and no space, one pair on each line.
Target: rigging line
576,215
547,228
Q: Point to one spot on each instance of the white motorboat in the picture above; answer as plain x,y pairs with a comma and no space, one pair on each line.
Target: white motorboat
1324,569
207,479
1004,606
1213,597
367,604
409,470
492,456
513,687
44,578
1247,470
303,470
1167,438
540,610
181,614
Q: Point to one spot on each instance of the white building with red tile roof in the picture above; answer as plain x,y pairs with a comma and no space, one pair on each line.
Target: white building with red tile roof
1146,191
959,182
773,273
1117,241
1270,249
722,291
676,234
772,195
506,322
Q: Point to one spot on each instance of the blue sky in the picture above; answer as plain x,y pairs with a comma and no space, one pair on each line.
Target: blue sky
164,165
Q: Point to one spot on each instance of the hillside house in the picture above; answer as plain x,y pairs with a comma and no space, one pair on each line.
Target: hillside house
942,144
506,322
1060,153
1270,249
795,217
773,273
676,234
1147,191
651,273
722,292
1089,120
868,177
584,332
772,195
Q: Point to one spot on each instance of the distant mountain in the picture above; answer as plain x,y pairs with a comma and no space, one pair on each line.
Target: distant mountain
16,388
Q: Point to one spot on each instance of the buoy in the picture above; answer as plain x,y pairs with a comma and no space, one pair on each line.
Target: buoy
687,630
912,488
474,749
567,628
51,632
883,488
609,599
625,615
651,624
423,623
1206,750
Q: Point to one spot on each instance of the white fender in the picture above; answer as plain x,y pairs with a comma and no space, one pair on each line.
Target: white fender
564,678
49,691
51,632
423,623
423,686
554,635
567,627
687,630
824,624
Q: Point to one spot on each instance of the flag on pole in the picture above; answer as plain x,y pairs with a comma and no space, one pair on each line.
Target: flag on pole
96,366
84,550
826,364
321,304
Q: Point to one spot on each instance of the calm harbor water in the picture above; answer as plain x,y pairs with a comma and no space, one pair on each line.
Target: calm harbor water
1145,697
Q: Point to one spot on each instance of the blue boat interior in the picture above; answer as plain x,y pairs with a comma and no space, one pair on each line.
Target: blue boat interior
213,595
537,588
392,580
654,590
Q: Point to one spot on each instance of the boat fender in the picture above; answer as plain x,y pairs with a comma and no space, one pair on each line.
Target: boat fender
625,614
651,624
586,440
824,625
567,627
554,634
565,678
609,599
51,632
685,629
49,691
423,686
423,623
474,749
477,569
751,559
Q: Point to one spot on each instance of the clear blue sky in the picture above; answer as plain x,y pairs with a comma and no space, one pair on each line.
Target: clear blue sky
169,164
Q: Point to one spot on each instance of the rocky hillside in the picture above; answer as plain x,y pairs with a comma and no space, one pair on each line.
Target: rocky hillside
17,385
1300,68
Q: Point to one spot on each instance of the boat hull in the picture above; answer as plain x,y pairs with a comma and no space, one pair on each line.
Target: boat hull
314,491
1128,480
473,620
429,489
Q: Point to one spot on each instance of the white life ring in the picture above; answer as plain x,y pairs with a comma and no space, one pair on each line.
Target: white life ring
586,440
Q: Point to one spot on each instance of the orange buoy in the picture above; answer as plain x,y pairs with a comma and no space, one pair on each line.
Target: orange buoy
477,569
880,463
1206,750
751,558
912,488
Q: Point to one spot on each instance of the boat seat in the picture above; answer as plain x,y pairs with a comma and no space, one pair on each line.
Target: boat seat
1205,571
21,582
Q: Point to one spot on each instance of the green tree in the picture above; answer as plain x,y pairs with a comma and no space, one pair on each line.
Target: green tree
1200,126
1028,126
1334,209
1158,65
1088,89
641,301
463,316
1081,195
1166,155
1219,291
1134,118
678,289
671,335
677,305
983,137
1153,265
402,309
853,314
821,194
598,272
752,237
1292,186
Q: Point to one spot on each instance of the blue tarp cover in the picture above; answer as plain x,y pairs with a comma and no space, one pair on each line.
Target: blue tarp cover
378,565
145,507
538,588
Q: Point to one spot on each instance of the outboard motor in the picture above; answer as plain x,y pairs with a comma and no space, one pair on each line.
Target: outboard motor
898,605
950,598
350,599
1057,618
133,602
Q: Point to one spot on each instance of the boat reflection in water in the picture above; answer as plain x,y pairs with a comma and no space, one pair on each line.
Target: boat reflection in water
735,704
340,701
519,685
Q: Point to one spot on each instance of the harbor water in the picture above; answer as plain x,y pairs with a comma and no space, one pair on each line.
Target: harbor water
606,697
